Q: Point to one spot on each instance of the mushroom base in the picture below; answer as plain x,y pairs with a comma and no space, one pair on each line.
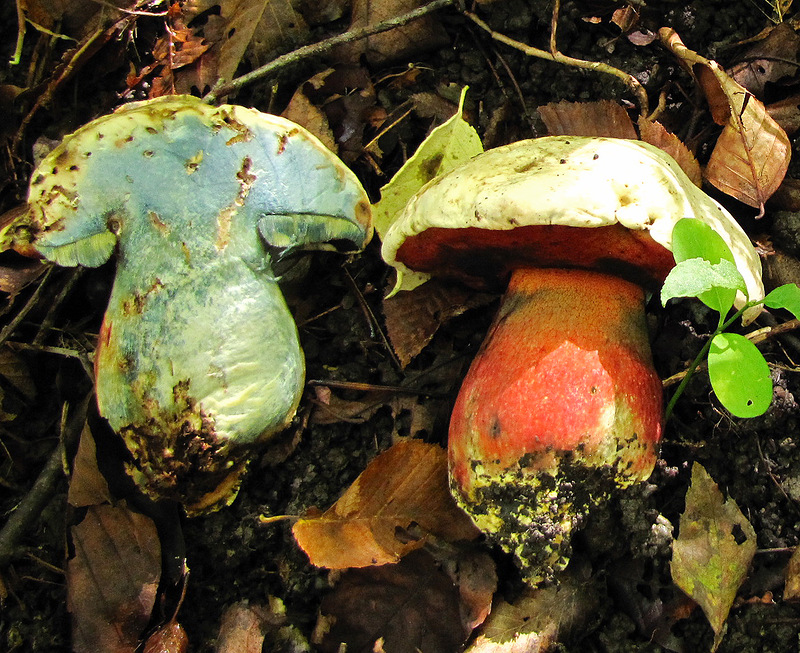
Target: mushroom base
187,462
561,405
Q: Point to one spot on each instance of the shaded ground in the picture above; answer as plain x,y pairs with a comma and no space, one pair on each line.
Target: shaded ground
232,557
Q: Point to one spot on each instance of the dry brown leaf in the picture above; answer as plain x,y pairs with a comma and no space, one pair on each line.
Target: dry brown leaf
770,61
304,113
15,370
403,488
414,316
404,608
601,118
242,629
752,154
786,113
403,42
87,486
112,579
256,30
170,638
656,134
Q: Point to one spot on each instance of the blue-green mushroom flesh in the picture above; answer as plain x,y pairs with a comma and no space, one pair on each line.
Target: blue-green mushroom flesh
198,358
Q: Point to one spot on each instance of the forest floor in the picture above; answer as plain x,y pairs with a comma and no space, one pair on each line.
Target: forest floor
376,106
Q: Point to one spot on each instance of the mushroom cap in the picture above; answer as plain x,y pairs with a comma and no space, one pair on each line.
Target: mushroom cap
515,205
178,159
198,356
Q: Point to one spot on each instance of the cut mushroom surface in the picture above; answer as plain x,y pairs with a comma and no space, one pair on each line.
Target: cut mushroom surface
198,357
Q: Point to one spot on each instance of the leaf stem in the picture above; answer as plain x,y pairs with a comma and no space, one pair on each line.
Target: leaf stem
723,324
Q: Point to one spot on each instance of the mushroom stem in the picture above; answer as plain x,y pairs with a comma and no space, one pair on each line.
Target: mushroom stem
561,404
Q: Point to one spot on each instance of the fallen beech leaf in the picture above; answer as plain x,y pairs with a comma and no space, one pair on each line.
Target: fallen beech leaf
404,608
601,118
112,579
656,134
475,575
713,551
752,154
403,42
413,317
304,113
791,591
404,487
770,60
87,486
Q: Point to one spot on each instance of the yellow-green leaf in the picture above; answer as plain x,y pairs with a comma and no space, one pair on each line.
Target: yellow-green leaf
446,147
713,552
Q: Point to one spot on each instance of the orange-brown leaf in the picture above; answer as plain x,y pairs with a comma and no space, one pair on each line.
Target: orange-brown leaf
656,134
373,522
601,118
752,154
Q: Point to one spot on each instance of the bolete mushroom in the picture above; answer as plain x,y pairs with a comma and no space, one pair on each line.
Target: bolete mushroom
562,402
198,358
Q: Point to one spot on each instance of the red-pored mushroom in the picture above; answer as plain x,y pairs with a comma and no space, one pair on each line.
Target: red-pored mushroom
562,402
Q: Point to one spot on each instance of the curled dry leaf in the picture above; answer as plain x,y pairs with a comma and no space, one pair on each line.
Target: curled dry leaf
112,579
403,488
752,154
712,554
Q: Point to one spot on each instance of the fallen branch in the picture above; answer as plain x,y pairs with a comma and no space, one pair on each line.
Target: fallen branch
223,88
555,55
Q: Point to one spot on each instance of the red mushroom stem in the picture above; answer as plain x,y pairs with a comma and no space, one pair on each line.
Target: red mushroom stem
561,404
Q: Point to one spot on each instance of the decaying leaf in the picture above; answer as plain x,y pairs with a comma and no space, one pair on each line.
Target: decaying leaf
413,317
112,579
601,118
769,61
791,591
752,154
403,42
446,147
536,620
404,608
403,489
713,551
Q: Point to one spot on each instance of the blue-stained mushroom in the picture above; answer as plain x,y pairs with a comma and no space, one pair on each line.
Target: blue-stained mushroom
198,359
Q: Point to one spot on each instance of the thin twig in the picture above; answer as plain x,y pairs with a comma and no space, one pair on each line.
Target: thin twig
29,509
9,328
597,66
223,88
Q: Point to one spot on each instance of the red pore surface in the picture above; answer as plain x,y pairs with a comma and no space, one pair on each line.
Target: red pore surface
488,254
566,367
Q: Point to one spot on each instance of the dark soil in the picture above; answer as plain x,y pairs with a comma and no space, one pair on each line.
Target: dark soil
232,556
